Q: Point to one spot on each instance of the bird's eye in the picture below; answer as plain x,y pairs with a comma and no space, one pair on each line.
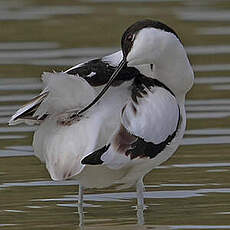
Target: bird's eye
130,37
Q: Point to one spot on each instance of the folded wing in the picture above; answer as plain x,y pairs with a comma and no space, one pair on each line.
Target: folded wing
96,72
62,92
149,122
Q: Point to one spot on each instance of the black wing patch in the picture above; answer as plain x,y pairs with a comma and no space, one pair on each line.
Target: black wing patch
95,157
128,144
97,72
142,148
141,82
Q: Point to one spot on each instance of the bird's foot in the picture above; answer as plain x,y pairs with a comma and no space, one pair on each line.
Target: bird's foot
67,119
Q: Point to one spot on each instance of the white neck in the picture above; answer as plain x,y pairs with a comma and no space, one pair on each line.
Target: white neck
165,51
174,70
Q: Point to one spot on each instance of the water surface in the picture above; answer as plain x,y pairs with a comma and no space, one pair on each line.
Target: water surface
191,190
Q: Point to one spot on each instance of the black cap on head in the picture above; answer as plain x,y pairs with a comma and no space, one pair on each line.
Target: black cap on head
129,35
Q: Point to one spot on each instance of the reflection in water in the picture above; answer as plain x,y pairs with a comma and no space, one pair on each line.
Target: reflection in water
80,206
127,196
140,202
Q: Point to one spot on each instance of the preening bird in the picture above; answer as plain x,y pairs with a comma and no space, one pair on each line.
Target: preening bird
110,121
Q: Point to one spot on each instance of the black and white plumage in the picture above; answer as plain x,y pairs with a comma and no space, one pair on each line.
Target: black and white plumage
97,72
135,124
135,137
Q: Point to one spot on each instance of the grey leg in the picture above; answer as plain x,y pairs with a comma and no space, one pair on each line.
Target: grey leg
140,201
80,207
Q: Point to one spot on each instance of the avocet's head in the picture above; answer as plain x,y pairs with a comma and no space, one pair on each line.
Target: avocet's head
144,41
152,42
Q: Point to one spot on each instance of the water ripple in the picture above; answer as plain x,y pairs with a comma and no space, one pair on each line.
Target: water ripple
205,50
42,12
126,196
207,108
28,45
16,97
221,87
34,86
206,140
212,67
208,131
200,227
17,129
14,153
209,102
9,137
212,80
210,115
121,1
221,30
57,53
199,15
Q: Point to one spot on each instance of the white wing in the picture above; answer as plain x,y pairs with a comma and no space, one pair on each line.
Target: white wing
64,92
24,114
58,91
113,59
96,72
154,117
149,122
62,147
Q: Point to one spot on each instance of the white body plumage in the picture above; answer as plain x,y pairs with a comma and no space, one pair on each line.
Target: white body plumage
158,114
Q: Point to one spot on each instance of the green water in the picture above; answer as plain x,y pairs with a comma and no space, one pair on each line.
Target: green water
191,190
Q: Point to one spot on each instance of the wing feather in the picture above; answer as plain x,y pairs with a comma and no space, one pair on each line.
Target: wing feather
149,122
62,92
25,113
96,72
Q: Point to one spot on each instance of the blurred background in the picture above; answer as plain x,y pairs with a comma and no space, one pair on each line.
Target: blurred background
191,190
